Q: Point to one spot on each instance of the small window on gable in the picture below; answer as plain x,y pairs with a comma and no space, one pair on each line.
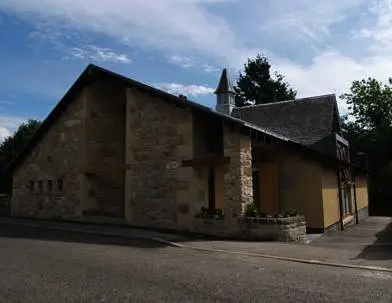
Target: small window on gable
60,185
40,186
50,185
31,185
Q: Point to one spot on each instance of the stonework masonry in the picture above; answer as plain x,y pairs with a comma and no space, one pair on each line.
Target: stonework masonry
55,157
238,175
262,229
104,148
159,190
119,151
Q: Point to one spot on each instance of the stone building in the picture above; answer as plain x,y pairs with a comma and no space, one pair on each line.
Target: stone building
116,150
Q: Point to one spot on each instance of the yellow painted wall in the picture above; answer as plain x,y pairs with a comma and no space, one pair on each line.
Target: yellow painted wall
305,193
268,188
299,185
361,191
330,197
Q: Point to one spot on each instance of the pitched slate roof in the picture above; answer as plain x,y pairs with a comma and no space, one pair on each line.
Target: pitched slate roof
93,71
252,129
306,120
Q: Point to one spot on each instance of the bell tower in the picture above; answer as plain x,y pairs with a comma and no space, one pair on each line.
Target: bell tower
225,94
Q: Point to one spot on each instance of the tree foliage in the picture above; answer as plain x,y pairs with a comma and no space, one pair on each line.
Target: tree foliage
256,84
13,145
370,104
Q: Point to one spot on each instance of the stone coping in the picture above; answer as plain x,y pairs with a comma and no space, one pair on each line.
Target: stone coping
211,217
273,221
257,220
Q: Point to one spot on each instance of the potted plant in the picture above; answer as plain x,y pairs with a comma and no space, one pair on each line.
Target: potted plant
251,210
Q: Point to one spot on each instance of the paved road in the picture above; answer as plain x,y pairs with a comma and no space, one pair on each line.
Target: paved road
47,266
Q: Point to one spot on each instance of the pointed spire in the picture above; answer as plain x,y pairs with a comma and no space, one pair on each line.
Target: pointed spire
224,85
225,94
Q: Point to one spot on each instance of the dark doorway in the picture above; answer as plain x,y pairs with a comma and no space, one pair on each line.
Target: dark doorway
256,188
211,188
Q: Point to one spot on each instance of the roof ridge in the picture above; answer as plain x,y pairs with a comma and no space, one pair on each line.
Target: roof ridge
288,101
317,96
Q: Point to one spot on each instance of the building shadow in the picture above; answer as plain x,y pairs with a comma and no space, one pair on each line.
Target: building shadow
381,249
46,234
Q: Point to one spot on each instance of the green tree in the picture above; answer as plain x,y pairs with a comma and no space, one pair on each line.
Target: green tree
370,104
12,146
257,85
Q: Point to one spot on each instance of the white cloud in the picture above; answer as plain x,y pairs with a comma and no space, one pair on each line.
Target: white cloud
183,61
210,69
187,90
4,133
378,33
332,72
306,18
191,30
188,62
95,53
73,45
171,25
8,125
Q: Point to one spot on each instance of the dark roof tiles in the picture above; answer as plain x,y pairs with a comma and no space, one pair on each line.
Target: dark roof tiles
306,120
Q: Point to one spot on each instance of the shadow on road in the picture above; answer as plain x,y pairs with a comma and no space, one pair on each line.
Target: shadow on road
43,234
381,249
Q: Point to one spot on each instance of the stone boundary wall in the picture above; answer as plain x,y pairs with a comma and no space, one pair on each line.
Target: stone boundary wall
292,229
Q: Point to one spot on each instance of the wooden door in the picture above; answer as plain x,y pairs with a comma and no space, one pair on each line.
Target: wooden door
268,193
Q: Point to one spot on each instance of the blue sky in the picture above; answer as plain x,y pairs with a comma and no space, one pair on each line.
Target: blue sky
181,45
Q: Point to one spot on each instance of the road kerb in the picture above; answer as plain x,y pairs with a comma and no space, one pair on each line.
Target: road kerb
296,260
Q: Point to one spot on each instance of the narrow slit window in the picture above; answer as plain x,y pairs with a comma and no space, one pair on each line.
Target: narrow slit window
31,185
60,185
50,185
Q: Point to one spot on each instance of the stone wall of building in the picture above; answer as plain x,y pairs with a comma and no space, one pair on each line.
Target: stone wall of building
238,175
47,182
105,148
159,191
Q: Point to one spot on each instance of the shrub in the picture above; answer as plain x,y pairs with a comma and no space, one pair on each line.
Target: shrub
251,210
211,212
293,212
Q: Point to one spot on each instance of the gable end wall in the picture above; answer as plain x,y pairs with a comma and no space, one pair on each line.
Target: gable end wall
55,156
